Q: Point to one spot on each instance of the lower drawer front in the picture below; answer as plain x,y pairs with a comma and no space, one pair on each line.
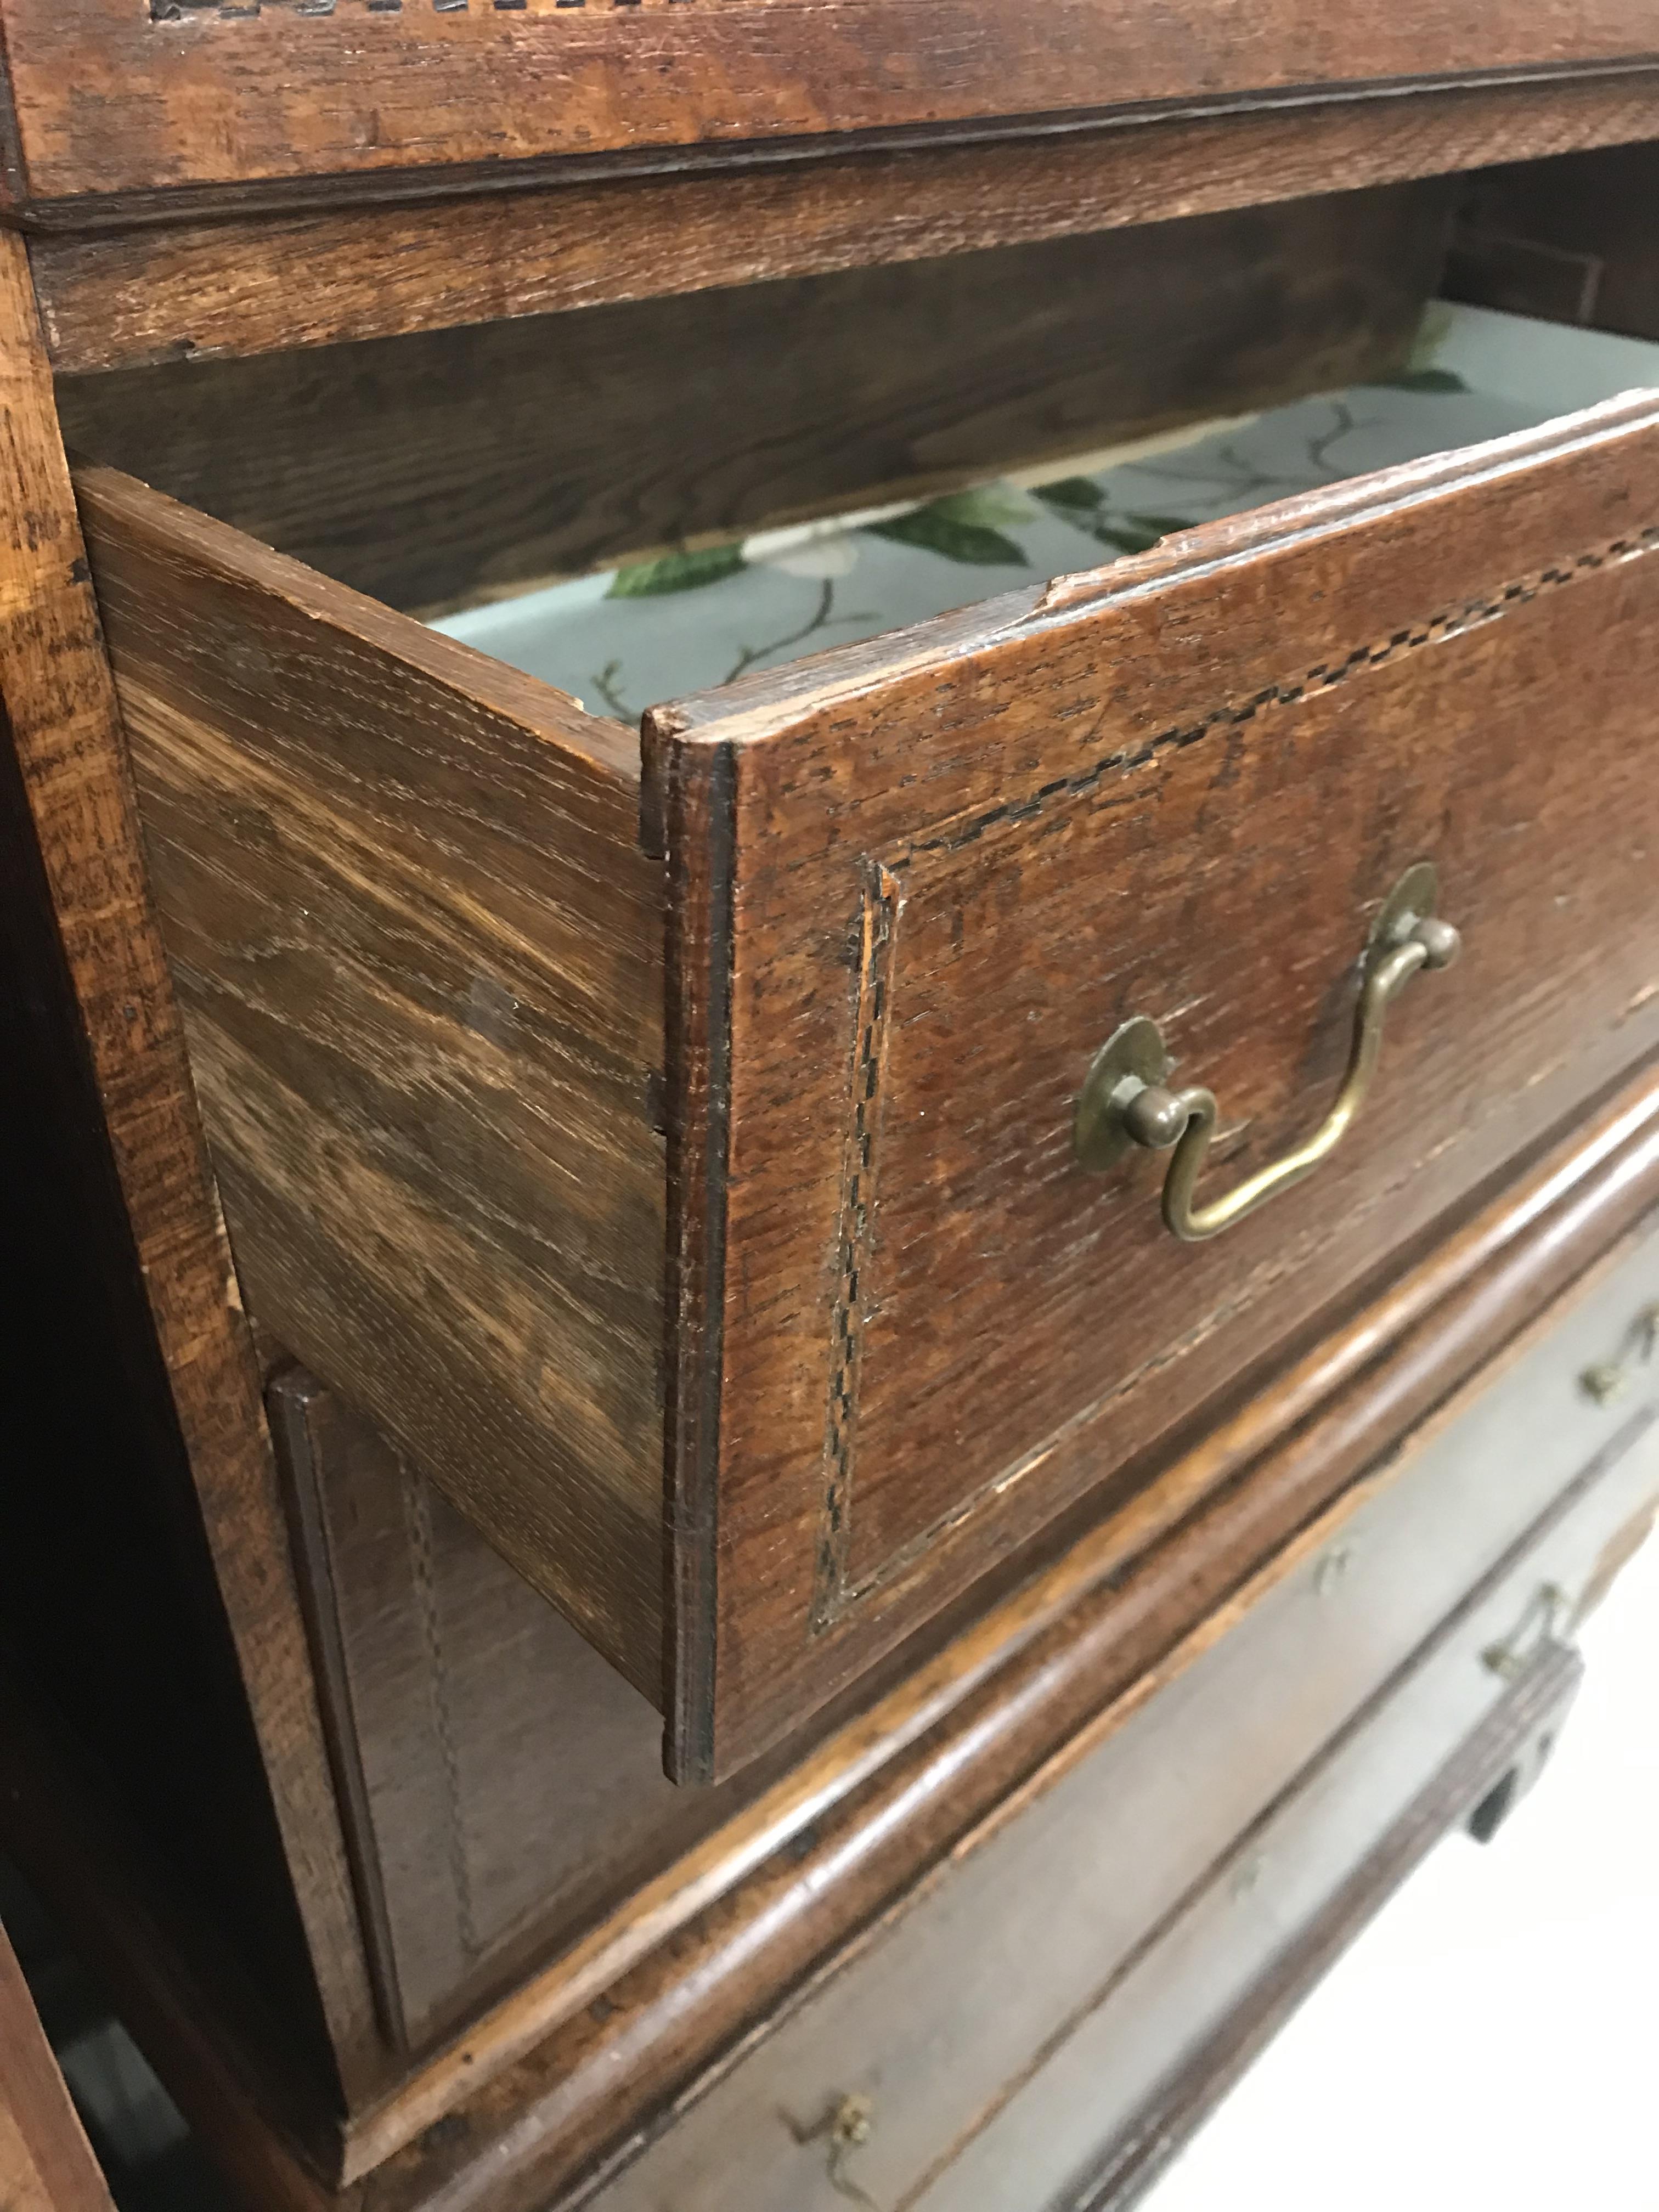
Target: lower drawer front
1121,2087
1320,1716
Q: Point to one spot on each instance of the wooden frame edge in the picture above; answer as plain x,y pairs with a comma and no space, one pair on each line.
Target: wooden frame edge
59,702
206,289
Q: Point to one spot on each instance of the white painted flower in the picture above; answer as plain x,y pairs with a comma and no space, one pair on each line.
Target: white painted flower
819,550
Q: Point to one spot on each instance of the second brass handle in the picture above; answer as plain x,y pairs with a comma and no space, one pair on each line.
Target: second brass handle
1125,1101
1609,1378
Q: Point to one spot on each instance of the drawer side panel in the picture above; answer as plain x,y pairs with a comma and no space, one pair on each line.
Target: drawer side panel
416,947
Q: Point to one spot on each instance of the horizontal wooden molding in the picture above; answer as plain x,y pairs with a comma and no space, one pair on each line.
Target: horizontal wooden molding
197,289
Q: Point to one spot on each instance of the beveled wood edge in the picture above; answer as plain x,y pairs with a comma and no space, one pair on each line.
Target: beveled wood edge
225,197
671,1978
699,841
1371,497
289,1389
1143,2151
64,721
503,246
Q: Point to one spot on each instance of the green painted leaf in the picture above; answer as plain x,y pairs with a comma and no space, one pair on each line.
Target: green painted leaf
676,572
990,504
939,531
1137,533
1425,379
1072,495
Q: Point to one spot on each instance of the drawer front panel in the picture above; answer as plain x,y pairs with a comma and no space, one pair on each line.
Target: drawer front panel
115,98
930,880
1015,1957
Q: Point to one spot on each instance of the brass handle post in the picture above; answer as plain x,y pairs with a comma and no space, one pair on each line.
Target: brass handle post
1127,1101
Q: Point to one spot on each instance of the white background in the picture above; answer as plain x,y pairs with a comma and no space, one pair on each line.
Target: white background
1491,2044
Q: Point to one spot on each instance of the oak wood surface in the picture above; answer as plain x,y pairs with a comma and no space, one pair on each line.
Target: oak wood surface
440,1161
109,99
1571,241
154,292
101,1034
587,2051
46,2163
1367,1384
109,1603
509,1783
924,880
417,954
423,470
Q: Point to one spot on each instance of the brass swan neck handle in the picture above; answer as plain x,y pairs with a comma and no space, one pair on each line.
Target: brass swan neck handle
1125,1101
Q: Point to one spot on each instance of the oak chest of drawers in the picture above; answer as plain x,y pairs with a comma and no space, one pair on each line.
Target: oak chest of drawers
860,1235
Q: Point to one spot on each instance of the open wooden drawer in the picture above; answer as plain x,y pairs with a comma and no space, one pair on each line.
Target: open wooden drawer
500,1020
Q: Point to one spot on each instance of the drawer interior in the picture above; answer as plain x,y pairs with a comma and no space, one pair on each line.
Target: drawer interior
526,1046
692,618
434,470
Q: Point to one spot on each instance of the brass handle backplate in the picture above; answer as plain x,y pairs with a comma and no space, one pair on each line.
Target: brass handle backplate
1126,1099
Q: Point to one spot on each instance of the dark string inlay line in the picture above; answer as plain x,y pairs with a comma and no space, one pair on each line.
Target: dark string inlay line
243,11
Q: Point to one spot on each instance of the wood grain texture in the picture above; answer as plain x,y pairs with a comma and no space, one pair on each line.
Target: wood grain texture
958,862
423,470
509,1787
113,989
961,1718
154,293
584,2054
426,1069
109,1600
416,952
109,99
1571,241
46,2163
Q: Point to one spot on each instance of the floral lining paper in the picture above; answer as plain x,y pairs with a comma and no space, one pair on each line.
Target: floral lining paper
692,620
